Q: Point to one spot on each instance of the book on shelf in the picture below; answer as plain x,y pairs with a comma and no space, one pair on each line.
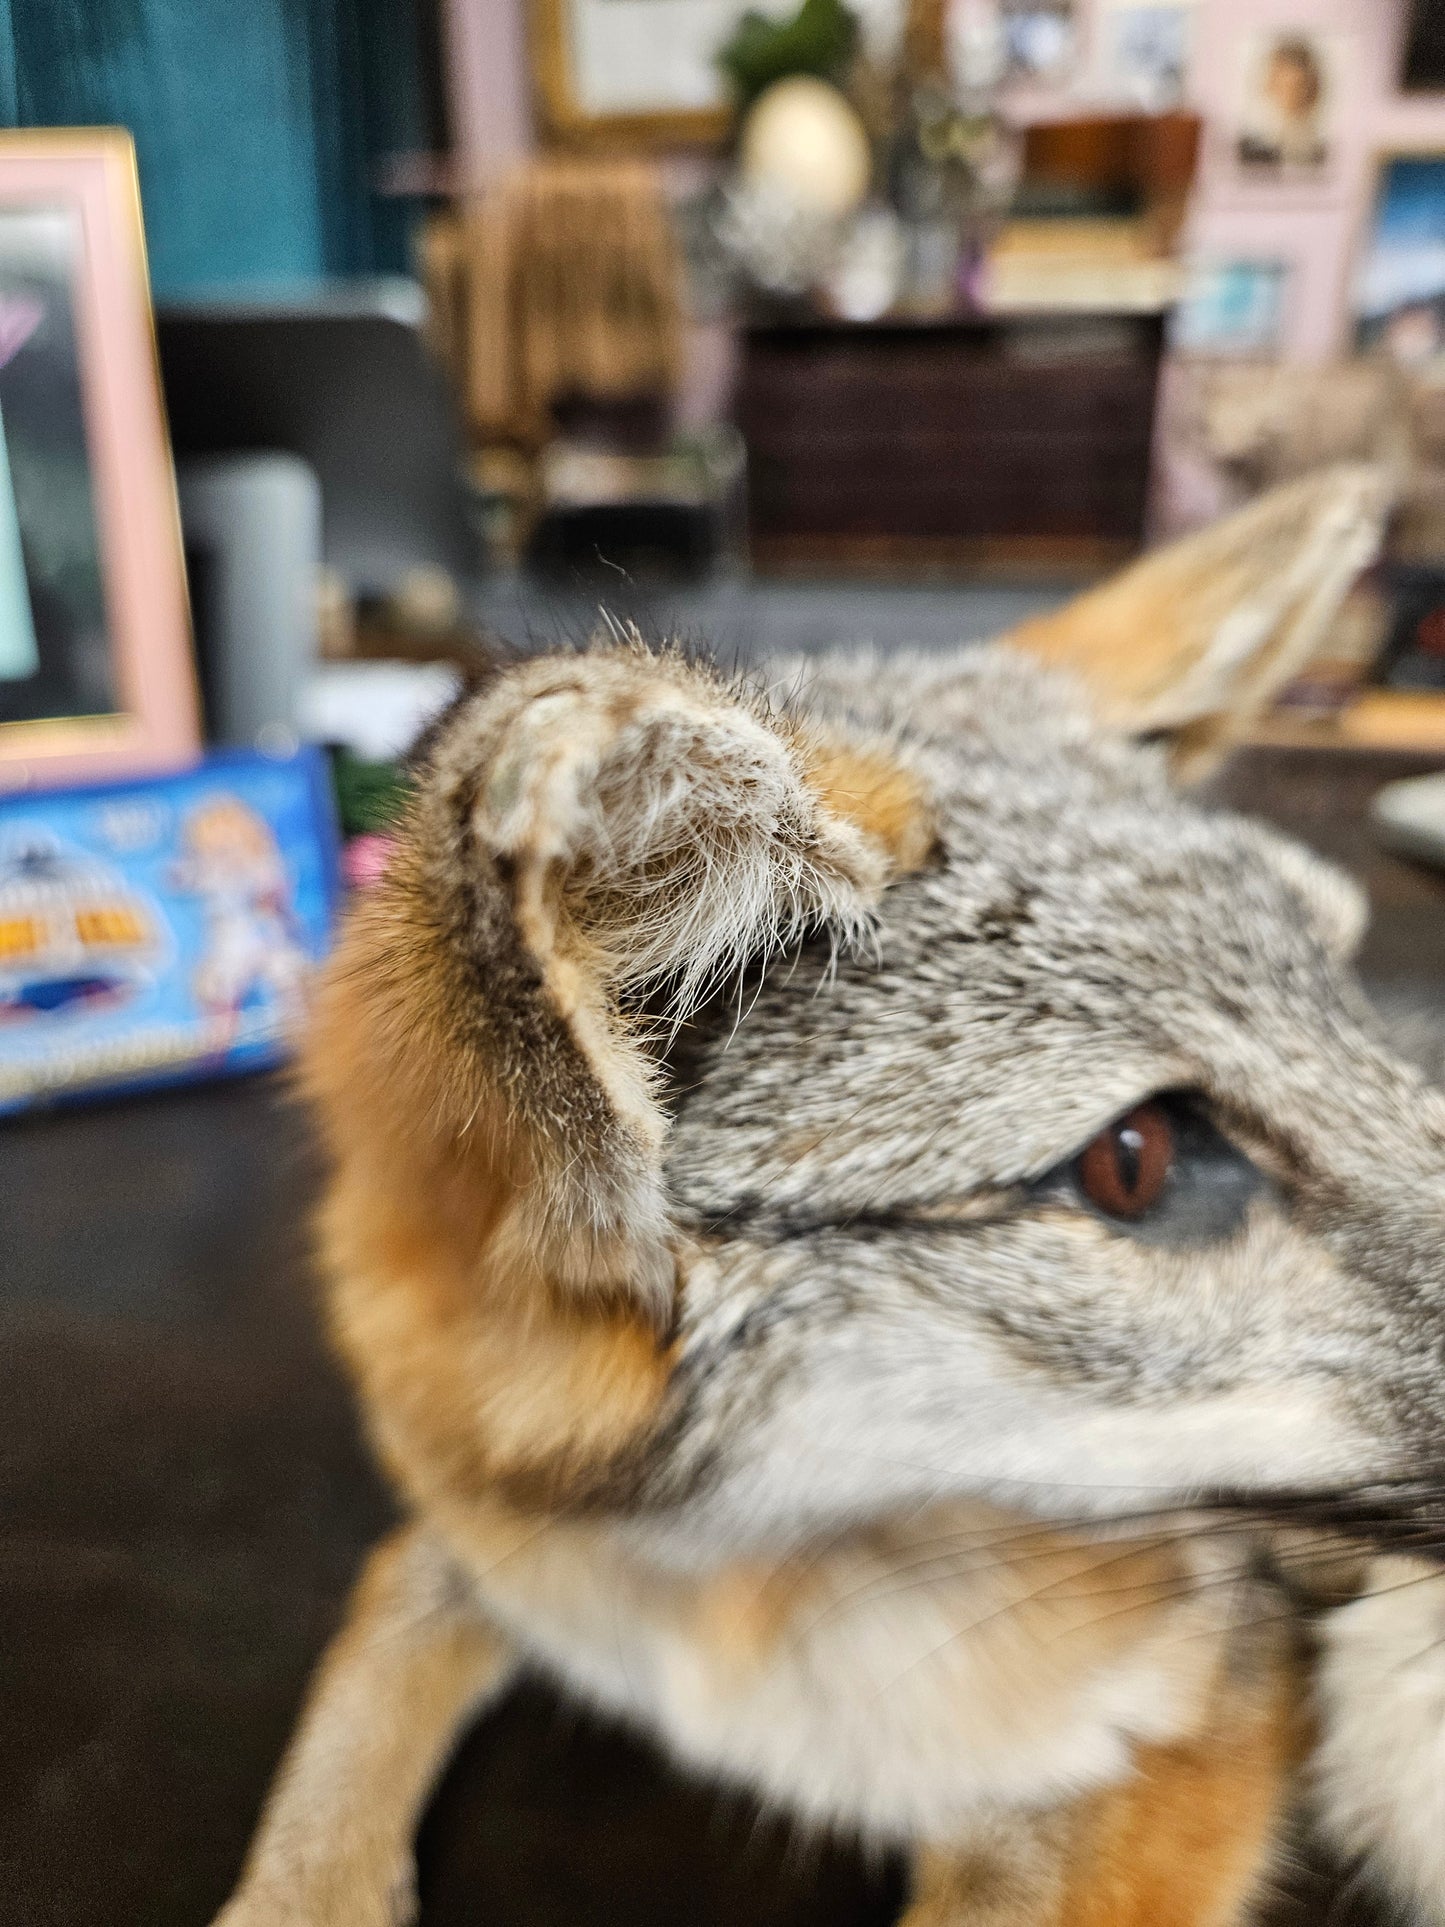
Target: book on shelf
1079,264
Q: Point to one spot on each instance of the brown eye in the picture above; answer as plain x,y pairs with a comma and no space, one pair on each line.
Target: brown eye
1124,1171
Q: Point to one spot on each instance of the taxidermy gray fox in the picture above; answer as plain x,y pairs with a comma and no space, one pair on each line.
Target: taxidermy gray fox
856,1211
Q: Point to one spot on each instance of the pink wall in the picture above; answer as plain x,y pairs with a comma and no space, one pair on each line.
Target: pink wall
489,85
1315,229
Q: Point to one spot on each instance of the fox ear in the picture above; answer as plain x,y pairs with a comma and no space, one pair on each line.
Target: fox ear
1336,905
1195,639
653,825
585,827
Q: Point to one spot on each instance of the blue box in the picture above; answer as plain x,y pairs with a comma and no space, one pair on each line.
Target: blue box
161,929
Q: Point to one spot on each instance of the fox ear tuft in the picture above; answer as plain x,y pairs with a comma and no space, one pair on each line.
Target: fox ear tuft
653,826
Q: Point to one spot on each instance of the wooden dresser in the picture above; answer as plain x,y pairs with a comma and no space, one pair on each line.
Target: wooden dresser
1019,441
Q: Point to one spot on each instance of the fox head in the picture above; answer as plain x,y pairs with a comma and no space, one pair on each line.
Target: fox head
760,1107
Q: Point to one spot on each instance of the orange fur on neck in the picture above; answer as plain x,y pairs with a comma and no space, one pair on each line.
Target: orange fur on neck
478,1371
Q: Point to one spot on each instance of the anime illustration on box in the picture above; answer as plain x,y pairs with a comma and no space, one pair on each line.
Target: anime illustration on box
73,934
160,929
253,943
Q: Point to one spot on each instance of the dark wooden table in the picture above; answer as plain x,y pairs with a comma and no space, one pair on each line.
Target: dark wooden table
183,1501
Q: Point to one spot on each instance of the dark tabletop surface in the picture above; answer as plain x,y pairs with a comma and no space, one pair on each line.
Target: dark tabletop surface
183,1501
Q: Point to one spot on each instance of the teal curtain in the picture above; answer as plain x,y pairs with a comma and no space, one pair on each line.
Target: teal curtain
260,125
9,78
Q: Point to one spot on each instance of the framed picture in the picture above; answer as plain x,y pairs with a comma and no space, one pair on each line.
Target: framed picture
164,928
1288,101
1144,52
1040,38
1232,308
96,673
636,72
1423,71
1399,291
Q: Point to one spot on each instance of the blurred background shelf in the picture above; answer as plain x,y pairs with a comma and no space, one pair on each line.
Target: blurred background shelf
1407,720
980,442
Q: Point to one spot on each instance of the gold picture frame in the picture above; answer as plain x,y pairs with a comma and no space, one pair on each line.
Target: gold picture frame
572,113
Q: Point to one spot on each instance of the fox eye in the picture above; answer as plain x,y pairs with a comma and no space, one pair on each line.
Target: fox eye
1161,1174
1124,1170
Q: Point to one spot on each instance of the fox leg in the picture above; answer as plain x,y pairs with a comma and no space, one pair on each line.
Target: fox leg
412,1663
1185,1841
1012,1877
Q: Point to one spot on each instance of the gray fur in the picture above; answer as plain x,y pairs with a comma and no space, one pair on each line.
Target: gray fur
1087,938
895,1336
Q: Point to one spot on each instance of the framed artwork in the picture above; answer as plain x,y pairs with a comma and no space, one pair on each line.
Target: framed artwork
636,73
96,672
1423,71
1232,308
1288,100
1040,38
1399,289
1144,52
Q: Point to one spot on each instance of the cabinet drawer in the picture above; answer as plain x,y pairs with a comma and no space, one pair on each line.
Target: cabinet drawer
921,434
1054,488
839,395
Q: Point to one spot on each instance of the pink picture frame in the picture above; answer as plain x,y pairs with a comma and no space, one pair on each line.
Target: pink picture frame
110,583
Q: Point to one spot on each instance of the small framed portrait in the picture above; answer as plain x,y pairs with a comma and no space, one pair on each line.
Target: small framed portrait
1399,287
1040,38
1232,308
1144,53
1288,100
96,674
